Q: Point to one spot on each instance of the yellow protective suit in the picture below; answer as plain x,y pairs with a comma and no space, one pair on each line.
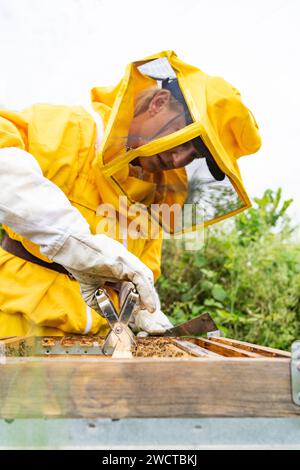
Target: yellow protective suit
35,300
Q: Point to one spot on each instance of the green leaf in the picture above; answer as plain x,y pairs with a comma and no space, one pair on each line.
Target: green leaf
206,286
208,273
219,293
196,310
200,260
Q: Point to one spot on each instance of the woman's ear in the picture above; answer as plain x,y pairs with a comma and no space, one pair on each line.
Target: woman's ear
159,101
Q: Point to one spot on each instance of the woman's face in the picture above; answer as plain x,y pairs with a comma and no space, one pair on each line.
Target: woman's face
157,121
176,157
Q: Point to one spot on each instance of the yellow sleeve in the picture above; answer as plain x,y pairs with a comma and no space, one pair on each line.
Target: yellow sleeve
151,255
13,130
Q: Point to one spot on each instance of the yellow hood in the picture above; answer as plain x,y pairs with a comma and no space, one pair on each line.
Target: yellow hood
225,125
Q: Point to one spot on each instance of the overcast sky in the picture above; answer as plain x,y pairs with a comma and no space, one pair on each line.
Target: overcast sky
56,50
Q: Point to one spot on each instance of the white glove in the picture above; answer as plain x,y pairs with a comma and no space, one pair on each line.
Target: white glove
96,259
142,320
153,323
37,209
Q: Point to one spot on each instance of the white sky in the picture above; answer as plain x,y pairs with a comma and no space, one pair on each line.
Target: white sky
56,50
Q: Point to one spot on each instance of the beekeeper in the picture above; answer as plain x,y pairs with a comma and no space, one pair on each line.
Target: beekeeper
172,135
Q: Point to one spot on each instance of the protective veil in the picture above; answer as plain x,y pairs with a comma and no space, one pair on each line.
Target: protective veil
217,123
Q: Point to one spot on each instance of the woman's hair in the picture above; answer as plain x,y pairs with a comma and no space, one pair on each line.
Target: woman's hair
144,99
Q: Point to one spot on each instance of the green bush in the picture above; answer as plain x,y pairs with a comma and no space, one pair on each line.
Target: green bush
247,275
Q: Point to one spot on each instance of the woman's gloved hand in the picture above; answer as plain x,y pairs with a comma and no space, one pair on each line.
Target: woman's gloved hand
142,320
94,260
156,323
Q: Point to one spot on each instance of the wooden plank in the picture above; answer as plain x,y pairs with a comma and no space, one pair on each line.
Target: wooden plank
115,388
223,349
263,350
194,349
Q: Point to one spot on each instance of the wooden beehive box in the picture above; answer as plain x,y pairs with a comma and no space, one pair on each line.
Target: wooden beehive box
68,377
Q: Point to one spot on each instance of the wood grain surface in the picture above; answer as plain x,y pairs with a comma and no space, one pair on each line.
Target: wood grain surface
93,387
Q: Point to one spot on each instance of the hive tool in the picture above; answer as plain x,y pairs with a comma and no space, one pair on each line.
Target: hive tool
120,339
